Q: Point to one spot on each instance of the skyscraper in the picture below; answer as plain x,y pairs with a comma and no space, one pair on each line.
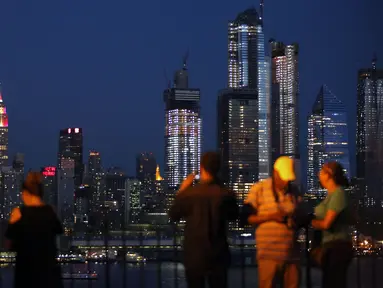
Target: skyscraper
115,197
3,133
94,162
133,200
66,188
182,130
237,119
369,134
71,147
145,166
96,180
285,79
327,138
249,68
146,173
50,185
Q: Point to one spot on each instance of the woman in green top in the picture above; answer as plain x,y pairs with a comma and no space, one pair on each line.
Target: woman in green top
333,218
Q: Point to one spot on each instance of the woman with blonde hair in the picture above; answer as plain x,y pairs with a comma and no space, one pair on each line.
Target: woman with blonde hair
31,233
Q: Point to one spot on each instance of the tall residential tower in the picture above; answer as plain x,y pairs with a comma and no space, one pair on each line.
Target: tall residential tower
285,97
182,129
71,147
249,68
369,134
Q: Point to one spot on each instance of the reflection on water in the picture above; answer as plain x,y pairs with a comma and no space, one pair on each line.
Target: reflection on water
166,275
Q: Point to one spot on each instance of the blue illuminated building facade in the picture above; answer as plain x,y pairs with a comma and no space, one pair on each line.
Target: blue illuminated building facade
327,138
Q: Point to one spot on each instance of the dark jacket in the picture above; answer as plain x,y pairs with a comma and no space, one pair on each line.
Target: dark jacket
206,208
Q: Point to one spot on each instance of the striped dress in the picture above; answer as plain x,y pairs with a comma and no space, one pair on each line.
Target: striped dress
274,241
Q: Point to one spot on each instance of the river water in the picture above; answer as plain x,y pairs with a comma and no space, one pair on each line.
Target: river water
169,275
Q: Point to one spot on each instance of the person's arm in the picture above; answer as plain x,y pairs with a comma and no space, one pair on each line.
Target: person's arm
253,199
12,229
259,219
179,208
337,204
231,207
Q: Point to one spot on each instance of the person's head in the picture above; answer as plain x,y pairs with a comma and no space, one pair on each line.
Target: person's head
32,187
332,175
210,165
283,172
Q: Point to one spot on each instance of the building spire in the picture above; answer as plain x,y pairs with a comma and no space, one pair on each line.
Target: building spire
261,8
158,175
374,61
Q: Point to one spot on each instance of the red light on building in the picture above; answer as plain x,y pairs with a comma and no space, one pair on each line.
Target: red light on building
49,171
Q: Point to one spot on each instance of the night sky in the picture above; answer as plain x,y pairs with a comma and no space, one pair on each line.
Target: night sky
100,65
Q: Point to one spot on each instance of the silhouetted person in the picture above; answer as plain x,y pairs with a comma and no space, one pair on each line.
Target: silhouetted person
31,233
333,218
206,207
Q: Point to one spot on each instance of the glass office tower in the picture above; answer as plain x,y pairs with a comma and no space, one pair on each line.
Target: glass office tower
327,138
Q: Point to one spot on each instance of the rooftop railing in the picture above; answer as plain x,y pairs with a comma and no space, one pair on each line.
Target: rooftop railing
151,256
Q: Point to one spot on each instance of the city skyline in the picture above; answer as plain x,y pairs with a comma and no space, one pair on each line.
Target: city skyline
209,143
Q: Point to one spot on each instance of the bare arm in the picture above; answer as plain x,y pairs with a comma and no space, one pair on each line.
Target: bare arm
335,206
12,231
325,223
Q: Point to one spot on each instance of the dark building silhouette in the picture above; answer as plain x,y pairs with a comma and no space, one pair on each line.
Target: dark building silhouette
114,203
146,173
50,185
71,147
238,138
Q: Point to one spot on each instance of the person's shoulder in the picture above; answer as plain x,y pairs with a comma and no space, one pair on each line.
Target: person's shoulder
185,193
15,215
340,193
262,184
50,209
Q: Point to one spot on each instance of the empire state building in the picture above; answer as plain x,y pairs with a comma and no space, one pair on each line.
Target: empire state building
3,133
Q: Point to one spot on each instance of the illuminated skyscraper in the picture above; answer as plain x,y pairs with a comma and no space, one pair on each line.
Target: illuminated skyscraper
237,112
249,68
285,79
327,138
369,134
3,133
71,147
182,130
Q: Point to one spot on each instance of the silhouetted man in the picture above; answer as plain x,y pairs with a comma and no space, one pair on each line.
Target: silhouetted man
206,207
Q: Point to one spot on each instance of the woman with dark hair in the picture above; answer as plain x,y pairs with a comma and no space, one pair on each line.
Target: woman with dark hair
31,233
333,218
